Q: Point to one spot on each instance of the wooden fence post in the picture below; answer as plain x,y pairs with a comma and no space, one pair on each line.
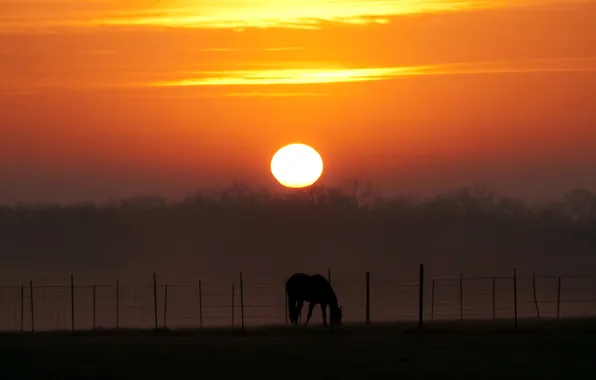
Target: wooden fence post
117,304
535,296
22,307
72,303
31,302
558,297
432,302
233,302
421,297
368,298
165,307
155,299
461,296
494,297
241,302
94,305
515,296
200,304
286,299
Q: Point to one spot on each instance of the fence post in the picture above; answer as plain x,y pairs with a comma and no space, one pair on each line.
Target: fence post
165,307
200,304
432,302
155,299
117,304
461,296
72,303
31,301
494,297
515,296
367,298
559,297
233,301
241,302
22,307
286,299
421,297
94,302
535,296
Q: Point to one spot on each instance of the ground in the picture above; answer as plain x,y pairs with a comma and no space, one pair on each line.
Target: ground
542,350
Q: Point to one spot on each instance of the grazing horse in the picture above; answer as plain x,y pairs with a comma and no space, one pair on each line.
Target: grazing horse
315,289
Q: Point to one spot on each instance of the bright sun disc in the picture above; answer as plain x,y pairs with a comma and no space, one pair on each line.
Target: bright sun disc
296,165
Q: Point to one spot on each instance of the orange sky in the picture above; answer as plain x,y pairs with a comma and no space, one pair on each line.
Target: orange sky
109,98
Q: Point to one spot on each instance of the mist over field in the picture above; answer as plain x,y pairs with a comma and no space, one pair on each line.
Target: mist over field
217,233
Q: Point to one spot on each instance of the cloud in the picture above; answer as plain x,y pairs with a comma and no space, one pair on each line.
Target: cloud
233,82
295,76
224,50
232,14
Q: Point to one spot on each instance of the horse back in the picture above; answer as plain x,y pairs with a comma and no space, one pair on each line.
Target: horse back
313,288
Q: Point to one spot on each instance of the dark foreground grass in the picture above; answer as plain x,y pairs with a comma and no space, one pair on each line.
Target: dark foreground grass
563,349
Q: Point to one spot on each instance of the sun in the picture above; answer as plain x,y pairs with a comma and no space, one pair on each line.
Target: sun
296,166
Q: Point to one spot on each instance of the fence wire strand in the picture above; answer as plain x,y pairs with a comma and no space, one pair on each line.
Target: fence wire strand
212,304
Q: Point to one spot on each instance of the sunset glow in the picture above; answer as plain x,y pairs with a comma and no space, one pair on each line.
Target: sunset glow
104,98
166,164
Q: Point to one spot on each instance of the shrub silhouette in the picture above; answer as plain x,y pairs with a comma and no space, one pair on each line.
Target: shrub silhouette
240,227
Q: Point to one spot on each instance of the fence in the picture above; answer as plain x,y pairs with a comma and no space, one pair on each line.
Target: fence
165,302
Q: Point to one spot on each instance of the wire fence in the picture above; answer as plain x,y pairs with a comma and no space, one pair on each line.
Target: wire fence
199,303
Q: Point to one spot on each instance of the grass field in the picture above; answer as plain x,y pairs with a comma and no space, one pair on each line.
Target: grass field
563,349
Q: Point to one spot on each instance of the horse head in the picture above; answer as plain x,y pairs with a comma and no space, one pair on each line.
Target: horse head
335,315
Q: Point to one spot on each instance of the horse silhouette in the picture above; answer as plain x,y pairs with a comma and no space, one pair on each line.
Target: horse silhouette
315,289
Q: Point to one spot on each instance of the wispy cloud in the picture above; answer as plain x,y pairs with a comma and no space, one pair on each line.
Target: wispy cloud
347,75
281,94
301,13
287,76
269,80
235,14
224,50
249,94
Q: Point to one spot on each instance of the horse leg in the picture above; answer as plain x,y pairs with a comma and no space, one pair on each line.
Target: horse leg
298,311
324,312
292,308
311,307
